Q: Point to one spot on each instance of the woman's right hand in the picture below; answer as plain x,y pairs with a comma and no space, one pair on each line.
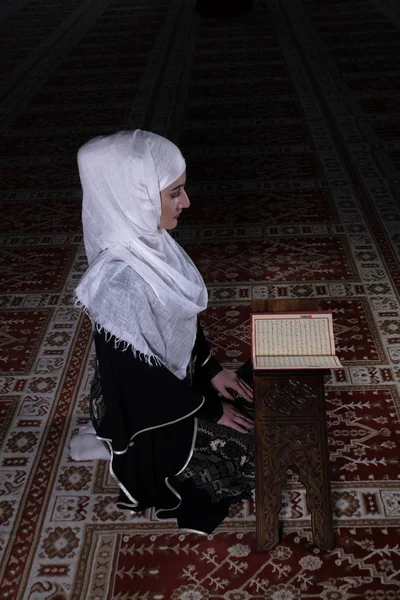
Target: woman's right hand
233,418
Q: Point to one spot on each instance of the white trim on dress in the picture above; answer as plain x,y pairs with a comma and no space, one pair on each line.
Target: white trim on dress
135,502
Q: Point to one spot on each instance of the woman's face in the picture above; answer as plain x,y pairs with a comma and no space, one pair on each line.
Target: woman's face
173,200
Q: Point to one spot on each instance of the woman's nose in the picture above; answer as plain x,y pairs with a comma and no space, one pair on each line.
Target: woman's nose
185,200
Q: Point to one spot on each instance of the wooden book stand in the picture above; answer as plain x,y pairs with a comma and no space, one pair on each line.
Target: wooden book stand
290,432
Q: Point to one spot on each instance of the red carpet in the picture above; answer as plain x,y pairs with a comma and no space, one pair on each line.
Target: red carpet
289,120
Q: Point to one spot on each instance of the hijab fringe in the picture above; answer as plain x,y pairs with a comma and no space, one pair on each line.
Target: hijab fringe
152,361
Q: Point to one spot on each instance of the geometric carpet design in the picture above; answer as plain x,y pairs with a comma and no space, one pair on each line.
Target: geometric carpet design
289,121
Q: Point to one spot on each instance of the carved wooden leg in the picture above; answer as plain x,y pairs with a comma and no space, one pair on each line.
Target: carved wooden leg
271,470
322,527
269,502
314,476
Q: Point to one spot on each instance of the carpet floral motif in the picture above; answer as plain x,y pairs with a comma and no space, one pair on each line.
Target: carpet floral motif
227,567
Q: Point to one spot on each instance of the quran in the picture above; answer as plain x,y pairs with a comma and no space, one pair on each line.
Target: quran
301,340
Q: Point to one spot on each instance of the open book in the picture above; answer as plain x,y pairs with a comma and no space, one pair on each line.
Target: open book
298,340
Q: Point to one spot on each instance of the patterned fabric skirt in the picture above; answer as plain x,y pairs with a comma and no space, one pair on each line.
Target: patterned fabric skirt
222,463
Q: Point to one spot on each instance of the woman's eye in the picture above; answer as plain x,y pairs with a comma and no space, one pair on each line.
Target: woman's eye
176,194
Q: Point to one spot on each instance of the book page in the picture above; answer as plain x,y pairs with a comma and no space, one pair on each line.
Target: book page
292,335
296,362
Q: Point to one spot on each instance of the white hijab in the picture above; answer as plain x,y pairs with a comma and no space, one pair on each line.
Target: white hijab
141,286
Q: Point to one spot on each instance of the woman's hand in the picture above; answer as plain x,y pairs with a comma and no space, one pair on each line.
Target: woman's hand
235,419
225,380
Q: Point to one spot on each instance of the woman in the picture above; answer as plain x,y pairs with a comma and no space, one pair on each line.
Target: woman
156,395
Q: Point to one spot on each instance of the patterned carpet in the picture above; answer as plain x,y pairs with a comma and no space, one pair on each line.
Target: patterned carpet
289,121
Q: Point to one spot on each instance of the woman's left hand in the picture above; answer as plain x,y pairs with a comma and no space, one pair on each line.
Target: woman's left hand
226,380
